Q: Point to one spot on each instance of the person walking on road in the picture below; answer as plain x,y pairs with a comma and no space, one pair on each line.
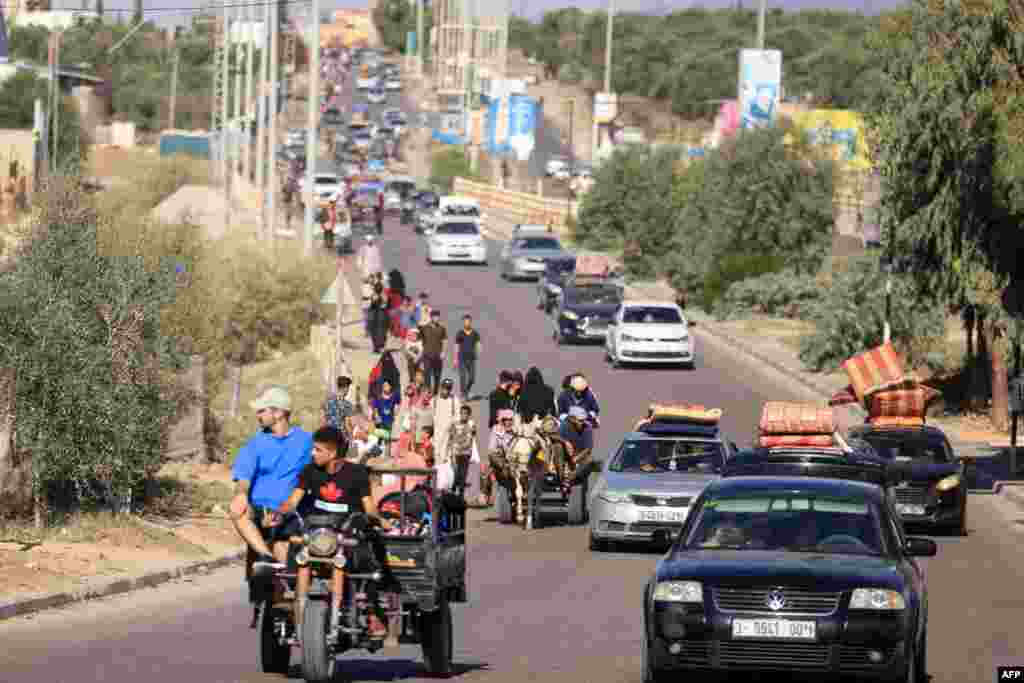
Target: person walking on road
446,413
412,349
423,310
467,351
370,261
337,410
379,322
435,344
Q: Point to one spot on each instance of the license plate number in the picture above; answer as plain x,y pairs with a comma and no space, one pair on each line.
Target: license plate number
777,629
663,516
909,509
459,254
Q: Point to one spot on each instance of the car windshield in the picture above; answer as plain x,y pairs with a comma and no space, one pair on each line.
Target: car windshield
903,448
599,294
652,315
461,210
545,243
652,456
789,521
326,180
458,229
555,268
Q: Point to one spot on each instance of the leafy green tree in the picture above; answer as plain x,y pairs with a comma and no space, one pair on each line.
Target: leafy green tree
17,110
394,19
93,437
948,123
625,211
447,165
28,43
756,196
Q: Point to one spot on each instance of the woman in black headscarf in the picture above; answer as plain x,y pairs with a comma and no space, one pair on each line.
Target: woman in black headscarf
537,400
379,320
386,370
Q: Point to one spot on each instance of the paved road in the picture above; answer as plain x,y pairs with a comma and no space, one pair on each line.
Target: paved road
543,608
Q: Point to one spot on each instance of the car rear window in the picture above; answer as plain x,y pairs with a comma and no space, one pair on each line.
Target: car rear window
651,315
458,229
547,243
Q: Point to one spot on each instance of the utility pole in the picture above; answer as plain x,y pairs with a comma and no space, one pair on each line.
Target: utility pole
572,156
313,107
261,116
238,64
608,48
419,37
249,90
225,128
55,111
172,115
762,11
271,194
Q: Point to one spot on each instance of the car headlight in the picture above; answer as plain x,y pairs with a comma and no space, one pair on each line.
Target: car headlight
615,497
679,591
522,262
876,599
948,484
323,542
569,315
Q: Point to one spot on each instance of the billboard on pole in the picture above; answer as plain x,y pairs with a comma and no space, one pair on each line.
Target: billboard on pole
760,87
522,123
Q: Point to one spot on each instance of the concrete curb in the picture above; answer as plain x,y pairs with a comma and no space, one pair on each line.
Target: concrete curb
38,603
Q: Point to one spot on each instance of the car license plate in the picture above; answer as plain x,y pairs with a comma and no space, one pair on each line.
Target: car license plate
909,509
776,629
663,516
596,331
458,254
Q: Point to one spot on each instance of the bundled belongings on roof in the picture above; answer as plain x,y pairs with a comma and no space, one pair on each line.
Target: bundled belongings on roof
594,265
879,383
797,424
685,412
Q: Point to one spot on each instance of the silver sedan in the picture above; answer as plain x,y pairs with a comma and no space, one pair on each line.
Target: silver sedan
525,256
645,490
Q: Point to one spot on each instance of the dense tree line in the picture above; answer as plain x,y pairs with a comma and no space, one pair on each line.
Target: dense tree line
394,19
137,77
690,56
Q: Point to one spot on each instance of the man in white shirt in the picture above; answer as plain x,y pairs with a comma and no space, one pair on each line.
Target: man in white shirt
369,258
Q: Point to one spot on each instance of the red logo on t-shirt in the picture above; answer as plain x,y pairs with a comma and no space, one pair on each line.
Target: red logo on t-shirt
330,492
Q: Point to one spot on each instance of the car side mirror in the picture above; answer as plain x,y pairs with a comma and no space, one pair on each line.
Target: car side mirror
920,547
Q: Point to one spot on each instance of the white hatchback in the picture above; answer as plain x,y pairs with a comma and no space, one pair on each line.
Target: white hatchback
653,332
456,241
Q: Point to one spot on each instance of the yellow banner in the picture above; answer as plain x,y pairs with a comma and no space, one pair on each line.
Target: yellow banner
840,130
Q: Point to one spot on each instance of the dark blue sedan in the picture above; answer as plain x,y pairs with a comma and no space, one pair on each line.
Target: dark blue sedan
790,574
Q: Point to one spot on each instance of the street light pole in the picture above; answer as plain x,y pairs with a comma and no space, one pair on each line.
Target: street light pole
312,141
419,37
762,11
271,194
224,125
608,48
261,116
250,85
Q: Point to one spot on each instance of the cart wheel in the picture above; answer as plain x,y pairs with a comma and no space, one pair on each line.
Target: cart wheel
437,638
274,656
503,506
317,659
577,511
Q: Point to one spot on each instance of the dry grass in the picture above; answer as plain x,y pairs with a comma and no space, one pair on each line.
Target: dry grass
100,527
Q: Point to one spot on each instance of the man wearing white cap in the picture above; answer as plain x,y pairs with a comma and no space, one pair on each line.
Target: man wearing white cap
266,472
369,258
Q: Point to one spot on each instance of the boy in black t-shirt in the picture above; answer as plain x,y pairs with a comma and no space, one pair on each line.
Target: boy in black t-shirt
331,484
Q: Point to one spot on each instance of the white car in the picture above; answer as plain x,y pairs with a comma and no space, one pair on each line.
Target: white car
653,332
366,83
326,187
393,85
456,241
377,95
557,167
453,208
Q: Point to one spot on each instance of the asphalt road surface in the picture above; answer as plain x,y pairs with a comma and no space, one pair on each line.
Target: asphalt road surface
542,607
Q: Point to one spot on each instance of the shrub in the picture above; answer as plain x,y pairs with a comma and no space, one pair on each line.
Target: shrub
733,268
94,377
447,165
784,294
850,317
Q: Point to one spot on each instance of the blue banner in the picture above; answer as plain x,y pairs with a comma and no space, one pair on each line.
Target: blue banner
522,123
410,42
447,137
491,112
